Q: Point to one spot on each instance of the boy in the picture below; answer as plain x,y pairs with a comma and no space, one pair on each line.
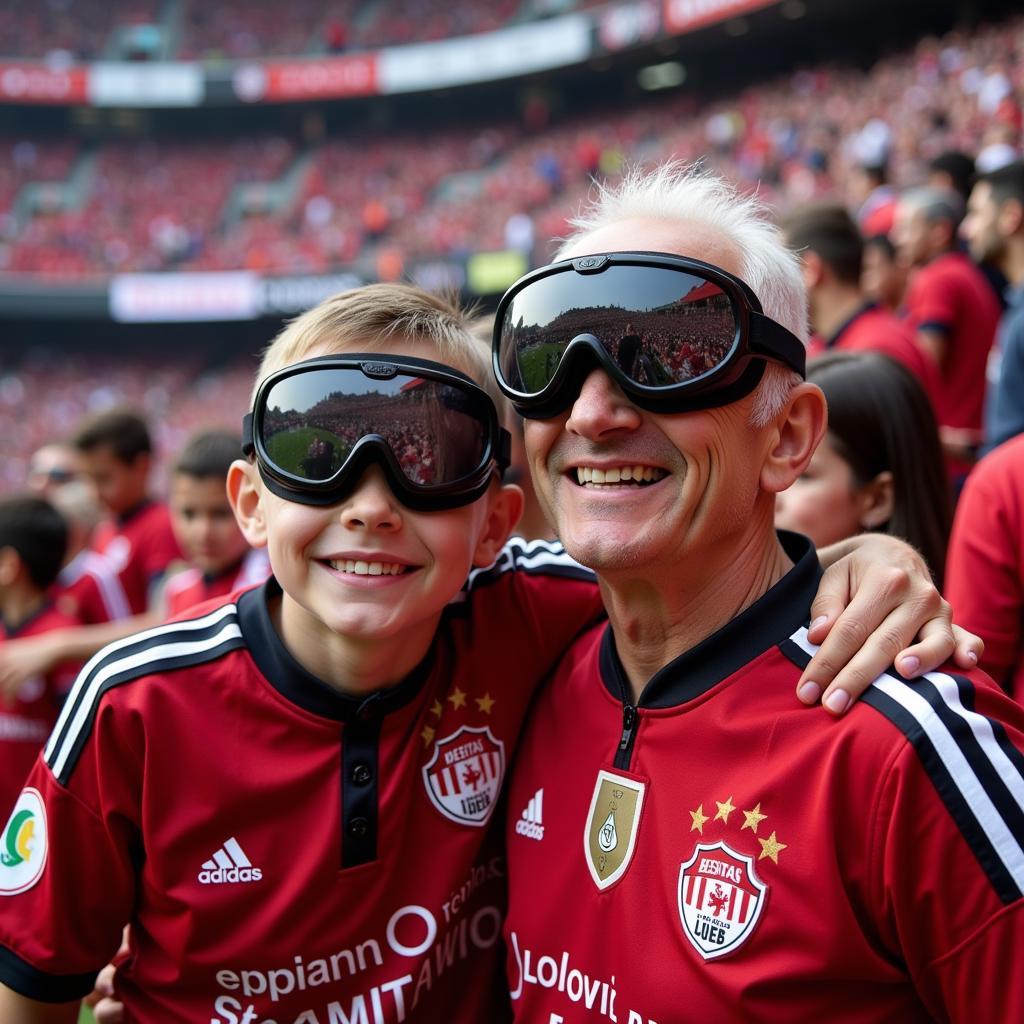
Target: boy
116,454
288,795
32,540
221,560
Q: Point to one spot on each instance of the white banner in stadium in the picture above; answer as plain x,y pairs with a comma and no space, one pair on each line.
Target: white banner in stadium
491,55
175,298
687,15
145,85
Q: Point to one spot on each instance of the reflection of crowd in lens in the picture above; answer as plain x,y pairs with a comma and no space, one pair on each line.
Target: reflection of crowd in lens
657,347
409,422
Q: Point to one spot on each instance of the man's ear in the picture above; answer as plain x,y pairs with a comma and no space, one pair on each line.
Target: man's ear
877,499
799,428
812,267
1011,217
505,506
245,493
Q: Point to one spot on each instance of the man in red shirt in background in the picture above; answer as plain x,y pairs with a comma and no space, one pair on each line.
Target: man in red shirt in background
954,313
117,455
843,318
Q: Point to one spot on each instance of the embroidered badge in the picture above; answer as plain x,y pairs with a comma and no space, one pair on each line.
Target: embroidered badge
23,845
464,775
720,899
612,824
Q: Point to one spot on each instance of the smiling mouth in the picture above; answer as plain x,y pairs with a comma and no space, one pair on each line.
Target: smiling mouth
635,476
361,568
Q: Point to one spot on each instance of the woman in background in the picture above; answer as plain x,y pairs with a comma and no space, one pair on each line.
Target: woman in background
880,465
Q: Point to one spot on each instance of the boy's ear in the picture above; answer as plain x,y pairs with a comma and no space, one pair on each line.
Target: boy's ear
799,428
245,492
504,507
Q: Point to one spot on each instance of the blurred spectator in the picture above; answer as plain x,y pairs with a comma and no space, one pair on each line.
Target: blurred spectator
221,561
117,455
952,309
882,279
953,170
994,229
53,466
842,317
880,465
985,579
32,540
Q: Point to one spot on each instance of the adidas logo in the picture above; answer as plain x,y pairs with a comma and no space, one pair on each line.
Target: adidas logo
530,824
229,864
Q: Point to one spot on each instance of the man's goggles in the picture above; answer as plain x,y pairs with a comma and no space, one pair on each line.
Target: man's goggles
675,334
317,425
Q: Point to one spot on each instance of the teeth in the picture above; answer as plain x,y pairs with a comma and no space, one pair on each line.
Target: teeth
360,568
641,474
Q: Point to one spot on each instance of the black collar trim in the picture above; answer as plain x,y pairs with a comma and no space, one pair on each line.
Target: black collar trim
125,517
848,323
767,622
301,687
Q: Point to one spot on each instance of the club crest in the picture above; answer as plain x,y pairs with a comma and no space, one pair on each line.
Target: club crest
612,825
720,899
464,776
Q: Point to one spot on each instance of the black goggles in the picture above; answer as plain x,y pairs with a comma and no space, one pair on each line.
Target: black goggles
675,334
316,426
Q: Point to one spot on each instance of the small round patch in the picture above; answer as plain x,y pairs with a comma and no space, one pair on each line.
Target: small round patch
23,845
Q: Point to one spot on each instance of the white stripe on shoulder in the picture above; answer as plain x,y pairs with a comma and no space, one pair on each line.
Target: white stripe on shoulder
963,775
523,555
106,663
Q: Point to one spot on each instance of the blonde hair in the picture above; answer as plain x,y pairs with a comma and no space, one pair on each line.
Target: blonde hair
368,318
676,191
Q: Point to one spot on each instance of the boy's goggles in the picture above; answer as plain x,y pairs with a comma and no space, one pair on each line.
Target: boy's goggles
675,334
317,425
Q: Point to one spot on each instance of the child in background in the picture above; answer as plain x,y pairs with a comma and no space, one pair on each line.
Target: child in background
32,540
117,454
221,560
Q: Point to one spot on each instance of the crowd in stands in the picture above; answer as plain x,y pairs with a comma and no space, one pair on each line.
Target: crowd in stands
406,196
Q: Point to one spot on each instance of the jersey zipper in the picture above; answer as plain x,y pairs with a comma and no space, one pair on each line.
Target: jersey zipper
630,721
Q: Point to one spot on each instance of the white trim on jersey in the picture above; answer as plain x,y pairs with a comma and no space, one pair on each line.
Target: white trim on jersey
92,563
530,556
77,710
977,798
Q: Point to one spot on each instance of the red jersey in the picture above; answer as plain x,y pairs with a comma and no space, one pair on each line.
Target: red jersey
186,589
985,565
283,850
723,850
951,296
874,329
89,590
27,720
141,546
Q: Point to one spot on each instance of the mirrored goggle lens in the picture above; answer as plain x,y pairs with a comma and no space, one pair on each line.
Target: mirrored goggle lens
312,421
661,327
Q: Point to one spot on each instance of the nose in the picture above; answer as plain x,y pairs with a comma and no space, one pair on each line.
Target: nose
601,409
371,505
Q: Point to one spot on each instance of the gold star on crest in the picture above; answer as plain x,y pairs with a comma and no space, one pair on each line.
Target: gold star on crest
724,809
751,819
771,847
485,703
436,709
699,817
458,698
428,734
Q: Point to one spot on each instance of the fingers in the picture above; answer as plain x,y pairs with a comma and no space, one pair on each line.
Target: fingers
938,642
109,1011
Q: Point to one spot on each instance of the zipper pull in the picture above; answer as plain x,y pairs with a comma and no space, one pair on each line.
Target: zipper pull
628,725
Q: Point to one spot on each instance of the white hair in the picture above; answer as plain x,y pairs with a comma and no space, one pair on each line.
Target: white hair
675,191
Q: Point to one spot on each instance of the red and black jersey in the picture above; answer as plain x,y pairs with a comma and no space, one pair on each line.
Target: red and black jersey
282,849
192,586
89,589
142,547
720,853
951,297
26,720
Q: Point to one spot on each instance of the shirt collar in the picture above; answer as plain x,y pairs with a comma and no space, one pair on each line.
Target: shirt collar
771,619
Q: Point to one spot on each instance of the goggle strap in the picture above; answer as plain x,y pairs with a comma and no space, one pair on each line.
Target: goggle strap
248,443
771,339
503,450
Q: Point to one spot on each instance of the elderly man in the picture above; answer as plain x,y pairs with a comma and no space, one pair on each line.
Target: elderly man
684,842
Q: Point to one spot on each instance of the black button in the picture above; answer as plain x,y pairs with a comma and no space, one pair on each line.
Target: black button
361,774
358,827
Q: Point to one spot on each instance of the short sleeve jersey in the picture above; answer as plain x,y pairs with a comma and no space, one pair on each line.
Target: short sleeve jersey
722,849
89,589
142,547
190,587
280,849
26,721
985,566
951,296
874,329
